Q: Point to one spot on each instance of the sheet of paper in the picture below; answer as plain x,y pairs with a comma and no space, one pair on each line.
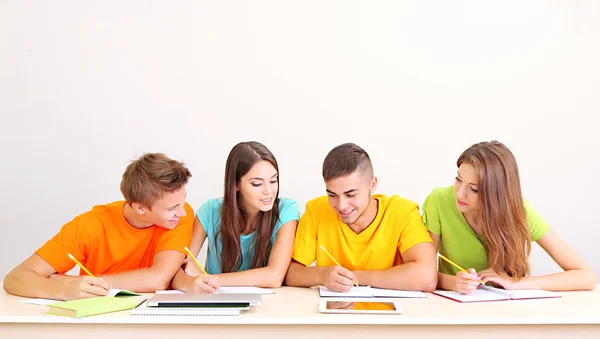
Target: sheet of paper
477,295
386,293
532,294
229,290
360,291
244,290
39,301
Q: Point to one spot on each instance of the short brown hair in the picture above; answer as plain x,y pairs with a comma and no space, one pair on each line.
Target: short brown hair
344,159
151,176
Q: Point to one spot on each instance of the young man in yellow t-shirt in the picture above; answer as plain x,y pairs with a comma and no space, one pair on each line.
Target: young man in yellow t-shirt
378,240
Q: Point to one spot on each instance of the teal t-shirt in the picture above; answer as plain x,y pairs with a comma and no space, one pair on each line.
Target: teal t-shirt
458,241
209,215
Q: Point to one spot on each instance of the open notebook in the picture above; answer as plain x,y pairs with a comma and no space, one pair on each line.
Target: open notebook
495,294
229,290
115,292
370,292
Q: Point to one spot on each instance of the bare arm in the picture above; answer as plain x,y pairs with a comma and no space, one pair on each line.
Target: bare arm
335,278
577,274
32,279
150,279
416,273
272,275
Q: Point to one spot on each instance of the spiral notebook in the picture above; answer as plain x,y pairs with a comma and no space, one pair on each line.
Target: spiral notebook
144,309
495,294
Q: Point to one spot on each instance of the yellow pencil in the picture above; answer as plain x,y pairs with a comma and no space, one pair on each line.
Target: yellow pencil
335,261
80,265
196,261
460,268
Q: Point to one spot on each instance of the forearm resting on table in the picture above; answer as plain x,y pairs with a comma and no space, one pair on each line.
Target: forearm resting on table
300,275
28,283
409,276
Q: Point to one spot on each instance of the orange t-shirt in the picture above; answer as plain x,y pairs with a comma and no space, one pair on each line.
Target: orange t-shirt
105,243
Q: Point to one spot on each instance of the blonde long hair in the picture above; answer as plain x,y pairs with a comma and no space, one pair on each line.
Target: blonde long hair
504,219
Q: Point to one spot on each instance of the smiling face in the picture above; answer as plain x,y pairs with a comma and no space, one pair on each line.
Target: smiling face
165,212
258,188
466,189
350,195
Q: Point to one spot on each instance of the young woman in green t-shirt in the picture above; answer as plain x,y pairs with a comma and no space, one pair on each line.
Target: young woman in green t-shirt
483,223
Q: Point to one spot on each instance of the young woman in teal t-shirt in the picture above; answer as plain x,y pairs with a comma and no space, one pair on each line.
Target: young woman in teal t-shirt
249,232
484,224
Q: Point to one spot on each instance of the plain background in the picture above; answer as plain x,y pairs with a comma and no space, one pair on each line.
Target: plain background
87,86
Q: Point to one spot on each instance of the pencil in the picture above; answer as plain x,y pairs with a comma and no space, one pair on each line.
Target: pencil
335,261
80,265
196,261
460,268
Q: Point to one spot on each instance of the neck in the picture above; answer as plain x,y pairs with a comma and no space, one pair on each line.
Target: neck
474,220
134,219
366,218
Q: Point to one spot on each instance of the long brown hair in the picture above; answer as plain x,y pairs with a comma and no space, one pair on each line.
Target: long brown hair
233,218
504,219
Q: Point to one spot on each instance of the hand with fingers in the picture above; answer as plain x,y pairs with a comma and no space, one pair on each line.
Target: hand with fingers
85,287
500,279
204,284
466,282
337,278
191,269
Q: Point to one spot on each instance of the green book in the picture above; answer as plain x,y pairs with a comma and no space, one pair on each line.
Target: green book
91,306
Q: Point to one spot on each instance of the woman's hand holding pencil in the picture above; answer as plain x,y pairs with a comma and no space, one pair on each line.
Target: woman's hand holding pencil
466,281
202,283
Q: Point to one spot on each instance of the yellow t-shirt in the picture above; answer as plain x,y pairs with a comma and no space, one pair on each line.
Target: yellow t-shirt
397,227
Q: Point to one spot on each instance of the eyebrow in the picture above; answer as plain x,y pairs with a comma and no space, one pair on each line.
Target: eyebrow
348,191
470,183
257,178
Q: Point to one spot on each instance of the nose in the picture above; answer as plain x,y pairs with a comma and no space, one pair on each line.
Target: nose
181,211
342,203
460,191
267,189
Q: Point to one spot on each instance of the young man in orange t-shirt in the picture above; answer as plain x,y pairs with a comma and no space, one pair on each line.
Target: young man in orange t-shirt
136,244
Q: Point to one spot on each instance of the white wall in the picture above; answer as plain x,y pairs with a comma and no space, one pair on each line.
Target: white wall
86,86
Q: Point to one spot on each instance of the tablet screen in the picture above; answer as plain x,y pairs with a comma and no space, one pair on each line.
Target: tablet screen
360,305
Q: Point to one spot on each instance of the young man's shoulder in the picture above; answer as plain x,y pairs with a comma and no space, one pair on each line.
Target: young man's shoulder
395,203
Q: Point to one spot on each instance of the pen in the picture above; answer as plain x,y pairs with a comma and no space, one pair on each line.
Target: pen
80,265
460,268
335,261
196,261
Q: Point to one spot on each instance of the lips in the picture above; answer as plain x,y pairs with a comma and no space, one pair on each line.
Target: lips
267,200
346,214
461,203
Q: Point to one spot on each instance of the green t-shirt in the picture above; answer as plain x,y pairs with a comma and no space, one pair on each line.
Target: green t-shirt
458,241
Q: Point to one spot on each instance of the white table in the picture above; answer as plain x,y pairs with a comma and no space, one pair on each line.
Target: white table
292,313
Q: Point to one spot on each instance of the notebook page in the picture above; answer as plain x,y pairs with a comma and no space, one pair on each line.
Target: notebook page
386,293
360,291
243,290
475,296
532,294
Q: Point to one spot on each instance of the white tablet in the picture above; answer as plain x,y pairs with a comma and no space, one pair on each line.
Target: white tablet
360,306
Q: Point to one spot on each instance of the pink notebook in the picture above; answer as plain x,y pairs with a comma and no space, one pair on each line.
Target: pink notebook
495,294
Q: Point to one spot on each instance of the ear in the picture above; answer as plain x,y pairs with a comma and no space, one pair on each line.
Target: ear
373,184
139,208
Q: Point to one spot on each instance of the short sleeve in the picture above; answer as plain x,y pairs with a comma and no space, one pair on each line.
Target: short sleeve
305,244
431,214
289,210
209,216
180,236
537,225
413,231
72,238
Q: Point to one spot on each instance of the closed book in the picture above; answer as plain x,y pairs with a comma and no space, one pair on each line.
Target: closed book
91,306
